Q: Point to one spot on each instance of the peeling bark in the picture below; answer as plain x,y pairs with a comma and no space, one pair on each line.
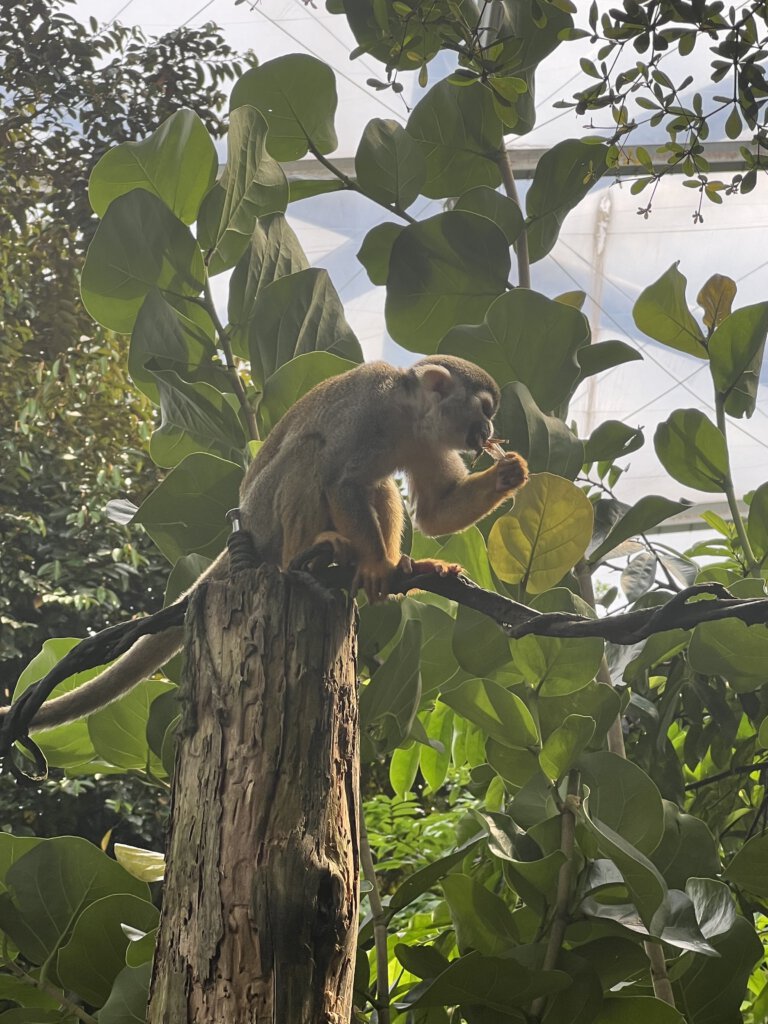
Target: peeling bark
260,909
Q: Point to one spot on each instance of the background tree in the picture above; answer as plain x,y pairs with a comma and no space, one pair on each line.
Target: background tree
577,832
70,92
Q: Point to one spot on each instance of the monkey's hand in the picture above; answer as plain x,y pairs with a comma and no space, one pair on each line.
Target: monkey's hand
511,472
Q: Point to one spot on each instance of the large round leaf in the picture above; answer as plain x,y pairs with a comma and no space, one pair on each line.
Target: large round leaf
177,163
443,271
529,338
624,798
297,96
543,536
296,314
461,138
500,713
692,450
294,379
736,356
187,512
253,185
273,252
546,441
731,648
662,312
51,885
389,164
138,246
67,745
563,176
95,952
119,731
497,207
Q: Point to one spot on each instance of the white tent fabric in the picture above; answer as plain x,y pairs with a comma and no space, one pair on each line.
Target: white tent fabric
604,249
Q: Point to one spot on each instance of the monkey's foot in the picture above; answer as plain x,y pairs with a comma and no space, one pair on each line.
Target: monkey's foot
421,566
375,578
511,472
327,548
342,550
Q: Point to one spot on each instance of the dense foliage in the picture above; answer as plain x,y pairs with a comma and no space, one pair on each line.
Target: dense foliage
529,869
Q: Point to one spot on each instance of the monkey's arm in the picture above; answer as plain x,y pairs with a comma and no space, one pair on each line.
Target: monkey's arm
448,498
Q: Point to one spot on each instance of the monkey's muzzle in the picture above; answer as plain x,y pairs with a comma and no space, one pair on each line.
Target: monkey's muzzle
478,434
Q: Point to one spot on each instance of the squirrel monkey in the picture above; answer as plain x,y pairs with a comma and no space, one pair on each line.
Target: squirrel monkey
325,473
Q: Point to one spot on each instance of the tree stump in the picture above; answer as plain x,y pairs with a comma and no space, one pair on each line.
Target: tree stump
260,908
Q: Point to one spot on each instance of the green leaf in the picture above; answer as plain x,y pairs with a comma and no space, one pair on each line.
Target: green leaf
563,746
389,164
662,313
644,883
747,868
127,1003
403,766
119,731
647,513
297,96
714,905
186,513
146,865
294,379
556,667
736,356
194,417
254,186
515,765
730,648
712,989
274,251
51,885
168,340
693,450
95,953
423,880
529,338
478,644
466,549
389,703
597,700
305,188
612,440
545,441
297,314
376,249
481,920
604,355
637,1010
487,202
548,444
434,763
460,136
687,848
543,536
12,848
476,980
499,712
624,798
69,745
563,176
757,524
177,163
138,246
443,271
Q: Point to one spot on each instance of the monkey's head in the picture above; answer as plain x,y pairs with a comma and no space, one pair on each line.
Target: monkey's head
463,399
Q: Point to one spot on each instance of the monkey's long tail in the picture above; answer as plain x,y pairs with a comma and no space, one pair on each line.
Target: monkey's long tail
146,656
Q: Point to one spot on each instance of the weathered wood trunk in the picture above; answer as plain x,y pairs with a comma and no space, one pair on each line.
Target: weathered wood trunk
261,895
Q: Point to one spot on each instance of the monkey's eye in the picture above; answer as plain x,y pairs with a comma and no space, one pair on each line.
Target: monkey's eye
487,406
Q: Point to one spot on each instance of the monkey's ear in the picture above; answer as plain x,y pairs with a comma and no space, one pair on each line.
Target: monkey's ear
434,377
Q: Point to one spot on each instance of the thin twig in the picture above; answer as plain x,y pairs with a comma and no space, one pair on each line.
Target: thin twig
353,186
752,563
568,811
742,769
379,917
521,243
226,347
